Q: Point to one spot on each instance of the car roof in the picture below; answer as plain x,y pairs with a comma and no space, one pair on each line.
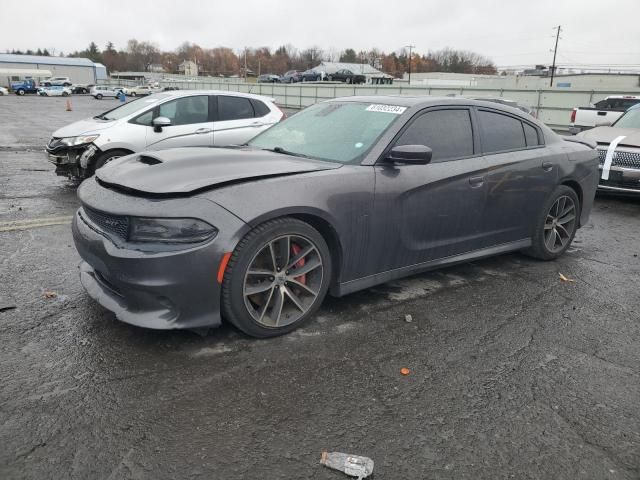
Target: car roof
187,93
423,101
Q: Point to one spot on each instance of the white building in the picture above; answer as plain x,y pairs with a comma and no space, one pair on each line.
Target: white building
188,68
79,70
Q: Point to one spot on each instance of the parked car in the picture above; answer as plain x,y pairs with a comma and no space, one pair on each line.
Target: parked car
55,91
24,86
346,194
124,90
3,91
56,82
100,91
313,75
292,76
604,112
619,153
142,90
269,78
165,120
346,76
82,88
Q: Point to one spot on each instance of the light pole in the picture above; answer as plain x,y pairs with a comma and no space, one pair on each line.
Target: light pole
410,47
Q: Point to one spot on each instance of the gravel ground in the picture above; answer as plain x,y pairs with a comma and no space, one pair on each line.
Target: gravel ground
514,373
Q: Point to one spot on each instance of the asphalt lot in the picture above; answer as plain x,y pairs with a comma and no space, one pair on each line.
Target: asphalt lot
514,373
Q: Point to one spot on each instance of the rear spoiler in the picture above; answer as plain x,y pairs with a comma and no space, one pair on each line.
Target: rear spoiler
582,140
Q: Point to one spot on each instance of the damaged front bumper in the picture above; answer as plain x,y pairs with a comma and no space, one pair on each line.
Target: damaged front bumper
71,161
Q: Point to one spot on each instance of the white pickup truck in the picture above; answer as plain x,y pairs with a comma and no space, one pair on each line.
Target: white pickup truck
603,113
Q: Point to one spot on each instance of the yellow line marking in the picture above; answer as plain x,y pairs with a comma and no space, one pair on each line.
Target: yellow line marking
34,223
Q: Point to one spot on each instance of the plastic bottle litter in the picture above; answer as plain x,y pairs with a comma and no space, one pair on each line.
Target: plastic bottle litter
352,465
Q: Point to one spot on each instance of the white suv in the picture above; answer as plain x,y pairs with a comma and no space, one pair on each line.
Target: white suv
100,91
56,82
193,118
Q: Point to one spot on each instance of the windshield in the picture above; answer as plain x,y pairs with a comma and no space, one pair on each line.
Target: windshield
130,107
334,131
631,119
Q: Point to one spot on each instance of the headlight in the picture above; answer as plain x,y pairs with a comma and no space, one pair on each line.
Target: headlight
170,230
81,140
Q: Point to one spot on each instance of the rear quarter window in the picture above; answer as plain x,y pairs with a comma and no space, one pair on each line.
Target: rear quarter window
234,108
259,108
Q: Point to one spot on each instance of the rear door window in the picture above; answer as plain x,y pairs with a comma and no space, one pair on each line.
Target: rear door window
500,132
234,108
447,132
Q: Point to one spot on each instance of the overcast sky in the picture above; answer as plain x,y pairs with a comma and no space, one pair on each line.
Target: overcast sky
510,32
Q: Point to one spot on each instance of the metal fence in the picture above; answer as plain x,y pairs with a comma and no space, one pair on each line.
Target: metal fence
552,106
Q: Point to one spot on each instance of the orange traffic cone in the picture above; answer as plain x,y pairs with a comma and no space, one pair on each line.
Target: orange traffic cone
69,109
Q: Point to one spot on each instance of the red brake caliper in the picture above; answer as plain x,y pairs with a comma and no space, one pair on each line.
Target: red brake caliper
296,249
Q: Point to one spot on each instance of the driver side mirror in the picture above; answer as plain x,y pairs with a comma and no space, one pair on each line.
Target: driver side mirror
160,122
410,154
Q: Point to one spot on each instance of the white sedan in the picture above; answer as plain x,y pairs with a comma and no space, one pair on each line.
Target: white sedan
54,91
3,91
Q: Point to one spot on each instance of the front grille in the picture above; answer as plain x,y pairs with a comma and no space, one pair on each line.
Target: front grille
621,158
117,225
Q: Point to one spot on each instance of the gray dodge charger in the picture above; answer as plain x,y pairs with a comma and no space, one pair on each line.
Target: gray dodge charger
344,195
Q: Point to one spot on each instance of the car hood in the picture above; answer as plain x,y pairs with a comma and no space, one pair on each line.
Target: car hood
187,170
608,134
82,127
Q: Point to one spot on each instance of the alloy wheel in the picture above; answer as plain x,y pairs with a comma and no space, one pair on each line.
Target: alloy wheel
560,224
283,281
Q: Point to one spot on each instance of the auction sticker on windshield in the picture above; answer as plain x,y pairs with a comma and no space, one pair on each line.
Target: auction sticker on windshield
386,109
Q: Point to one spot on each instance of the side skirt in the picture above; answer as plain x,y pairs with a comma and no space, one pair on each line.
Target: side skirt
361,283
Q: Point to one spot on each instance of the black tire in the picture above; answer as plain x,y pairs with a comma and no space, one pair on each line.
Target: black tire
99,96
107,157
133,94
539,248
20,92
65,94
348,79
66,84
234,309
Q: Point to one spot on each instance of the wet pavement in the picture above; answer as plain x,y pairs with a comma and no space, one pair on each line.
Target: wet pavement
514,373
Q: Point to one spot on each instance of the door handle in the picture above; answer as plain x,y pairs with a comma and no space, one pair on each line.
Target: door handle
203,130
602,114
476,181
547,166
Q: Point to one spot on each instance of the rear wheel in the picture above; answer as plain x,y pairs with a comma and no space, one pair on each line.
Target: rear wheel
556,226
65,94
20,92
133,94
99,96
276,279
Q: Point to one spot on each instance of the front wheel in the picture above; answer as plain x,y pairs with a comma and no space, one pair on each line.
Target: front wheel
20,92
276,278
556,225
106,157
99,96
133,94
65,94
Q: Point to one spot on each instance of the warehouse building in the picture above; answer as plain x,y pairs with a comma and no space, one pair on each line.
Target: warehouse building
79,70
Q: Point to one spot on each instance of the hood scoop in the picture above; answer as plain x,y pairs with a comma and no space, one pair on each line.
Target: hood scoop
182,171
149,160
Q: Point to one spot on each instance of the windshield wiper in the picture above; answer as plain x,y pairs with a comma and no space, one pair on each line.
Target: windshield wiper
286,152
102,117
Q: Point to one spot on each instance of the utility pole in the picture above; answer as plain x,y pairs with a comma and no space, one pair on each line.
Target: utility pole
245,64
410,47
555,51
